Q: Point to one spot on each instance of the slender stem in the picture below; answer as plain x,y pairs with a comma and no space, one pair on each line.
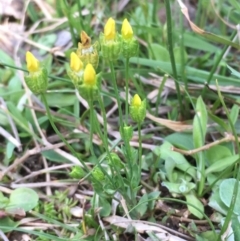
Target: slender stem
201,168
117,95
105,137
171,53
140,147
159,93
127,87
60,134
91,126
183,67
69,17
154,12
235,189
80,14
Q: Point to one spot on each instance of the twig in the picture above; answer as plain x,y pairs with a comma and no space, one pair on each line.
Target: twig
228,138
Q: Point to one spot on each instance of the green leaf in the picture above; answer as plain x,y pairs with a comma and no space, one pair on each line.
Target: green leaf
216,153
181,163
226,193
169,167
160,52
178,55
236,5
222,164
16,113
9,149
60,99
235,227
219,121
186,142
196,42
234,72
206,236
24,198
199,124
191,73
7,224
216,203
3,201
234,114
154,196
142,205
192,199
51,155
105,207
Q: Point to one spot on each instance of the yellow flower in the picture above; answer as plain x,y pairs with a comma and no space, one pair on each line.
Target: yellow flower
32,62
136,101
127,31
109,29
75,63
89,76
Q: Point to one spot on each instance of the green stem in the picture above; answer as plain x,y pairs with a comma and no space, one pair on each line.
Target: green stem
127,87
140,146
105,137
235,189
201,167
67,11
154,12
171,53
159,93
116,94
91,126
60,134
216,64
80,14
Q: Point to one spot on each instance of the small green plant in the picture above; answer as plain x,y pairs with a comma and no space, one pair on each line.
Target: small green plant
190,168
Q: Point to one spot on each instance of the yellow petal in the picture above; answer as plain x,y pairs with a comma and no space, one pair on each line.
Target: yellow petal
75,63
89,76
136,101
109,29
127,31
32,62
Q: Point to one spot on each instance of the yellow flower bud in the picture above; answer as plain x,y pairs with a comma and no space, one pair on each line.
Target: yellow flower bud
137,109
109,29
32,62
89,76
75,63
136,101
127,31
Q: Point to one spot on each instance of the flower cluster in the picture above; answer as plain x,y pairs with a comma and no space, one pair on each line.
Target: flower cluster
85,60
112,43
